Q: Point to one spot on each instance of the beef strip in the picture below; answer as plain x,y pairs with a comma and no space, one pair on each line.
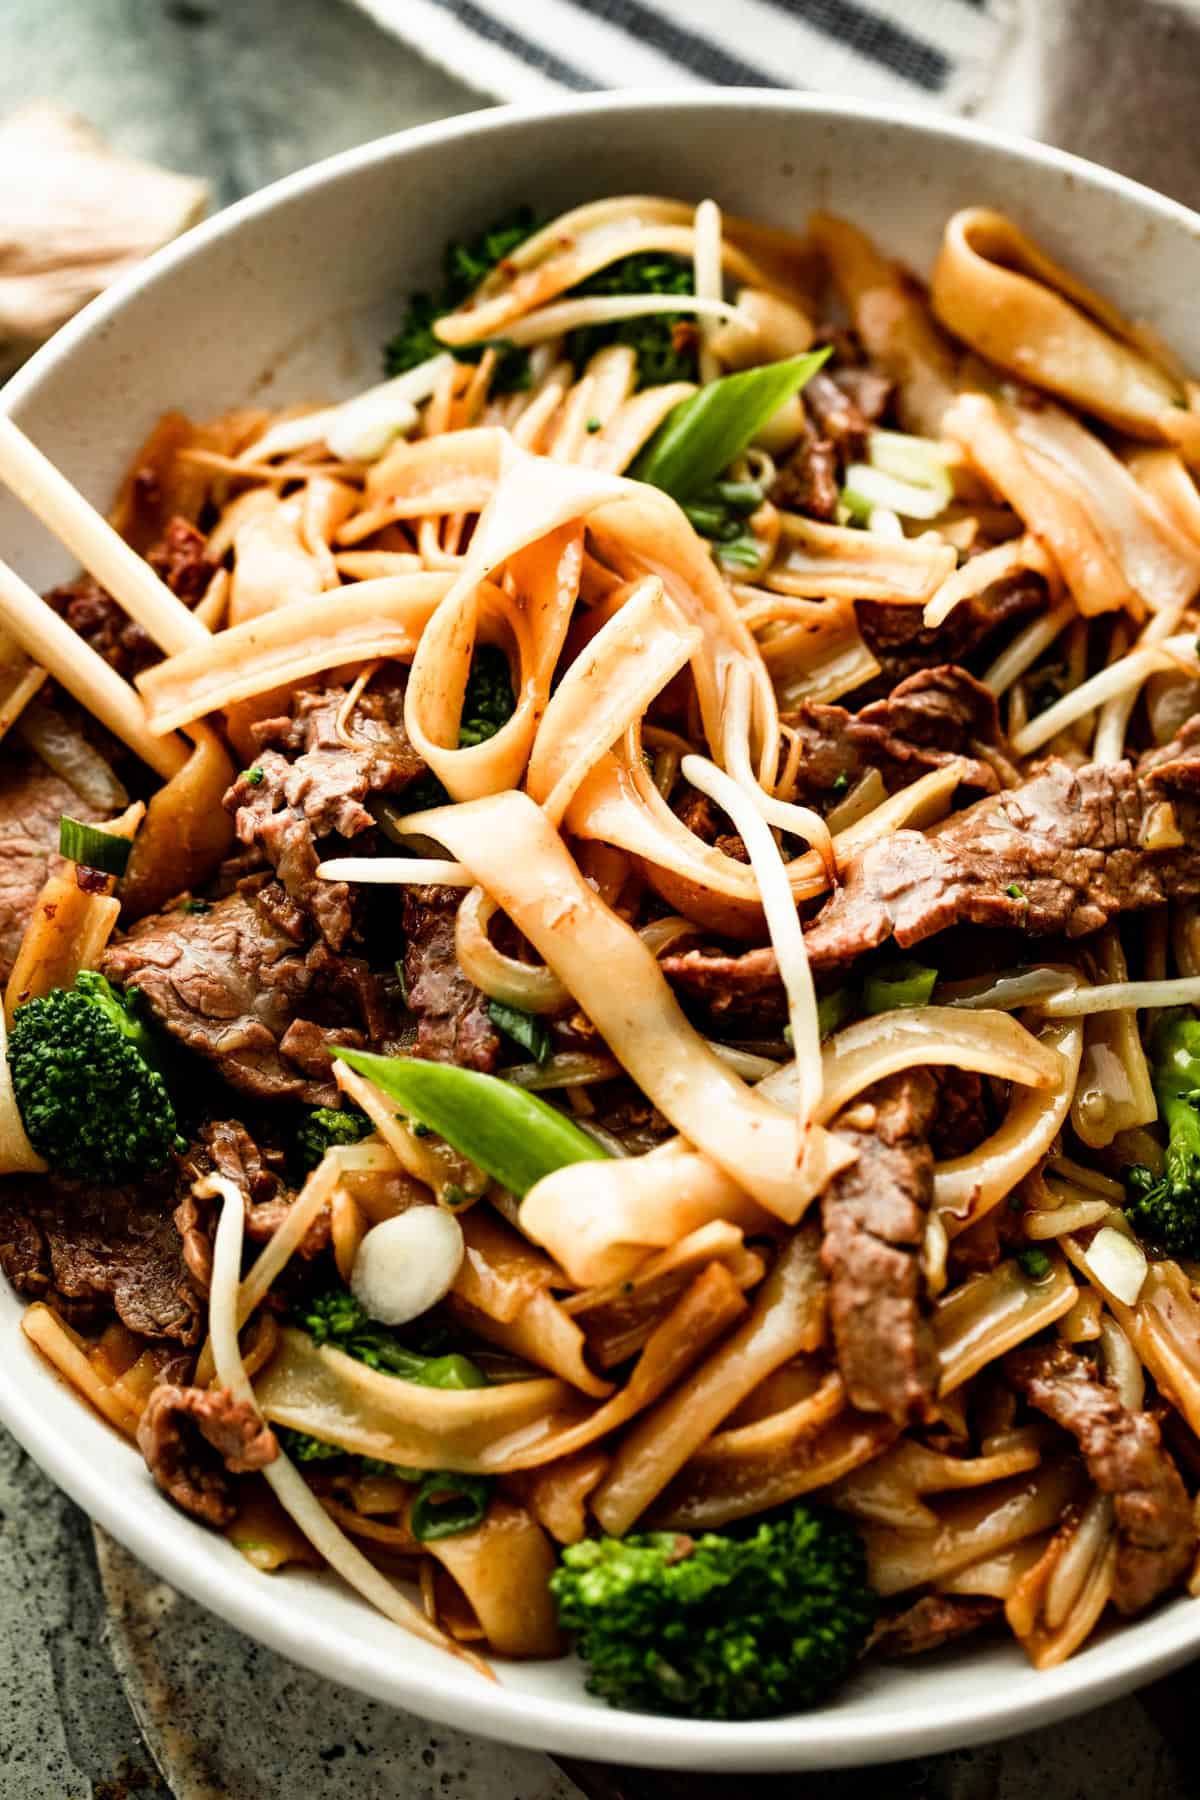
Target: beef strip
902,644
307,783
91,611
1156,1537
1060,855
32,803
808,481
964,1115
836,416
873,1215
229,985
933,1620
929,718
225,1147
452,1015
870,391
195,1439
729,987
85,1247
179,559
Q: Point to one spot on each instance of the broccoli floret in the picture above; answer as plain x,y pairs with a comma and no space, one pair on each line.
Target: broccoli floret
488,702
86,1083
336,1318
665,342
324,1128
1166,1212
760,1620
465,265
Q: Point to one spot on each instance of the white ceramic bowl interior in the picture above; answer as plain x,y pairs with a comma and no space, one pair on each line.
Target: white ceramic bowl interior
288,296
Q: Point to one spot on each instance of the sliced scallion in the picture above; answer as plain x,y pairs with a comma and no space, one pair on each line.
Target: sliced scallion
706,432
504,1130
526,1029
95,848
901,982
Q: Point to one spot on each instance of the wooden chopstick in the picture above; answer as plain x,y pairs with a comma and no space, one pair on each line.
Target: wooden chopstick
130,580
50,641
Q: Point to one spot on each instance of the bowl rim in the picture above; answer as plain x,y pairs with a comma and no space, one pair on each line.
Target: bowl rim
444,1691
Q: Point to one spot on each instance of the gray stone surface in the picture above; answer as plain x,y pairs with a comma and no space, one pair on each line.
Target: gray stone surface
242,91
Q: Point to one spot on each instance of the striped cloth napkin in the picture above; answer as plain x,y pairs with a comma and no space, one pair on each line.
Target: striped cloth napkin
934,50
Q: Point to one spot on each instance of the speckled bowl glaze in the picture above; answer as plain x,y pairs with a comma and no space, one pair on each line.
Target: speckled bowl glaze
288,296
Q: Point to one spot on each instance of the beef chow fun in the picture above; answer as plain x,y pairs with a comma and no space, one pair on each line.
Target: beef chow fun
602,947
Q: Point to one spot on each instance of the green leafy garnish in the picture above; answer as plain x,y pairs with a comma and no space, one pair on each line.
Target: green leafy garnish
465,264
701,436
665,343
94,848
526,1029
510,1134
900,982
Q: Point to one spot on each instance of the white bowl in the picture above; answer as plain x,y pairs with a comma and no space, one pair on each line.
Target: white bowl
288,296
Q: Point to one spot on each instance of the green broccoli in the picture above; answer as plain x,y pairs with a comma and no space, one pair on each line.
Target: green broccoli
93,1101
336,1318
762,1619
665,342
323,1128
465,264
1166,1212
488,702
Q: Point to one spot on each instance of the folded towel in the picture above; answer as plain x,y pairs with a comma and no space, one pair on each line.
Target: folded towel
879,49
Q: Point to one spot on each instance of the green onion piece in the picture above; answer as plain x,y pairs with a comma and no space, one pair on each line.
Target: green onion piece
898,983
742,497
743,552
705,433
709,521
1015,892
94,848
448,1504
919,460
1035,1263
833,1010
526,1029
374,1465
857,507
511,1134
872,487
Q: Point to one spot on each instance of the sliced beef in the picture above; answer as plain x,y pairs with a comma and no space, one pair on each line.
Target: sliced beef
902,644
229,985
870,391
934,1620
225,1147
1126,1458
195,1439
931,717
836,416
91,611
86,1248
808,481
964,1114
729,987
179,559
873,1215
703,817
452,1015
32,803
1060,855
311,781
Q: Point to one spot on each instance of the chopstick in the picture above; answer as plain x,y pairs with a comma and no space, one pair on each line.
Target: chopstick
50,641
45,490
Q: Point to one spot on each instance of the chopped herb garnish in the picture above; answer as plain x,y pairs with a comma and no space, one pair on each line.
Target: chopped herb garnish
1035,1263
1015,892
196,906
448,1504
92,847
841,782
899,982
593,425
254,777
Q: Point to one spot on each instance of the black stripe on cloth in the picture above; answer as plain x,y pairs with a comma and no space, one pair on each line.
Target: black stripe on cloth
494,31
688,48
865,33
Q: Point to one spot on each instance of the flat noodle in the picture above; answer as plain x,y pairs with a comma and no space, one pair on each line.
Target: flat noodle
541,1334
787,1317
891,1489
833,562
990,1314
351,624
1000,292
510,847
503,1567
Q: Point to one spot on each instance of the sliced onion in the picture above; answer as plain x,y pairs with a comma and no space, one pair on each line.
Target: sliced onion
1008,993
1118,1264
913,1036
531,987
64,749
1122,996
396,871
